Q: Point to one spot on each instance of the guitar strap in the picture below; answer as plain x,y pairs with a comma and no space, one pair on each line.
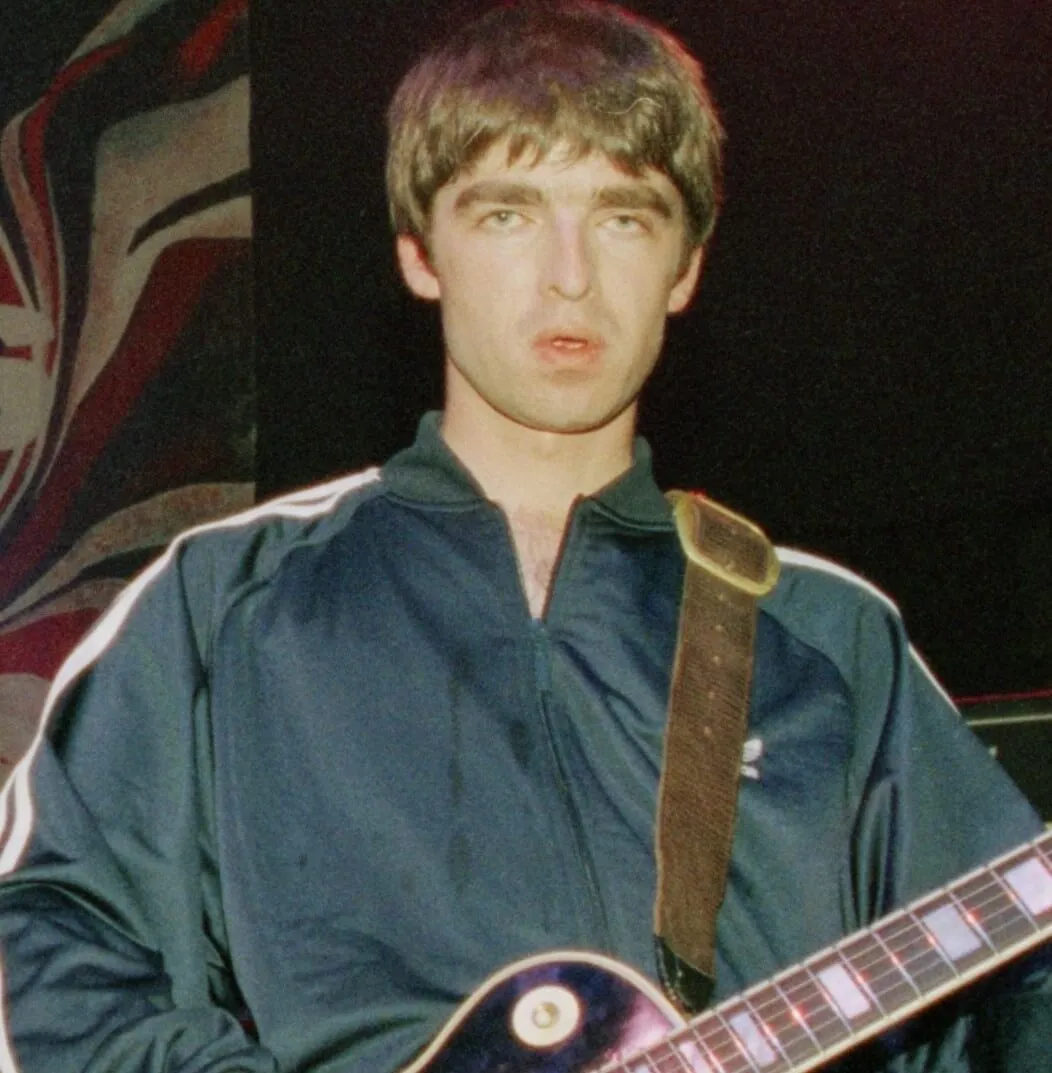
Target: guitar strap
730,565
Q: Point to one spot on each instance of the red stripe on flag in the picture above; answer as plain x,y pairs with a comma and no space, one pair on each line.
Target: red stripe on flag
33,139
164,307
41,647
9,292
200,50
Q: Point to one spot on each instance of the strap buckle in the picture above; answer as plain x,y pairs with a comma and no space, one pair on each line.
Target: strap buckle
747,559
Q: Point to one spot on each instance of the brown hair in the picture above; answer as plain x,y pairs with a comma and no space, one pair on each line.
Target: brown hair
588,75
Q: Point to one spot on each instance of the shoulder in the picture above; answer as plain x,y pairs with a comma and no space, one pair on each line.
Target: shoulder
245,549
811,585
269,531
846,618
205,568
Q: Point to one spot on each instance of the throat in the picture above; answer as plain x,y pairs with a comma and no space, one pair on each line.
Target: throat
538,537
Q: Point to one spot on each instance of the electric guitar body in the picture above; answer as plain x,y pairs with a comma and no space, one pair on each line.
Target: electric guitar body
566,1012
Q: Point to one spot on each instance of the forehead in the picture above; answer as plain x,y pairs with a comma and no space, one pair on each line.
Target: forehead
559,174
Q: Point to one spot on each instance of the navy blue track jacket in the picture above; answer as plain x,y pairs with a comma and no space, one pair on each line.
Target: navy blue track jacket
319,767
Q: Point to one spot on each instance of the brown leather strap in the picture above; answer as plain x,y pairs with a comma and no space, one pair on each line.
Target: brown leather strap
730,564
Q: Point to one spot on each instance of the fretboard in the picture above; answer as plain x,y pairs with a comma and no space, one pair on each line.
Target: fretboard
872,980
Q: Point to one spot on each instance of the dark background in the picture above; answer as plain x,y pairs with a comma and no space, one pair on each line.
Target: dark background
866,369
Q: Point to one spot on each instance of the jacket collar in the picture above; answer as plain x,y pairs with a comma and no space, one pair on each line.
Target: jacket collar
429,473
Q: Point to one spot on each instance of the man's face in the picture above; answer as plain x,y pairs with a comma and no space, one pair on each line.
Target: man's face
554,280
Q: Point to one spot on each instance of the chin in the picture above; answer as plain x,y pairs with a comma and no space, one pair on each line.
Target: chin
578,424
563,411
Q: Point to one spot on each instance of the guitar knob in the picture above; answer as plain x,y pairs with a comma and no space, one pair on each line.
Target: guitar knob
546,1016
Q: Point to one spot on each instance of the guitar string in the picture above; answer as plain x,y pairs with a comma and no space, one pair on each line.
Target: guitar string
900,962
796,1040
722,1037
919,945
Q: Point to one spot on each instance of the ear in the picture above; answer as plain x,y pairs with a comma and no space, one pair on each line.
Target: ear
684,287
416,268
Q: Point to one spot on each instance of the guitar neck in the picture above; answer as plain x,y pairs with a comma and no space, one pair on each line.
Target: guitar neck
874,979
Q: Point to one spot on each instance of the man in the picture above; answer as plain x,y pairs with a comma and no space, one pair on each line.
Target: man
331,763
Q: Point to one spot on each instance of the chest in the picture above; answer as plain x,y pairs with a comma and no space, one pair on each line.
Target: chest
448,786
537,538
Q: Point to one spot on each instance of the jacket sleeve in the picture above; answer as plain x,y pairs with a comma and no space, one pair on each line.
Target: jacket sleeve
933,804
113,954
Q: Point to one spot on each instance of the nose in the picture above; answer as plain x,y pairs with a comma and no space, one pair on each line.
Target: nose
568,267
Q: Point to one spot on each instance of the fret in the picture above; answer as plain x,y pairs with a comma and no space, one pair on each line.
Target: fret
996,907
754,1052
752,1036
736,1057
698,1053
668,1062
660,1059
864,961
810,1010
972,919
721,1045
848,993
915,952
880,971
989,901
957,932
795,1037
678,1054
762,1004
644,1063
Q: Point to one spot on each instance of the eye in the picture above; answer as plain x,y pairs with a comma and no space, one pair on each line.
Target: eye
502,219
627,224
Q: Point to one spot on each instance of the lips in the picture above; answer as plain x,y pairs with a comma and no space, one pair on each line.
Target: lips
569,344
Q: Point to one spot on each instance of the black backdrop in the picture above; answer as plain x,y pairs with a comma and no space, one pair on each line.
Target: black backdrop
866,370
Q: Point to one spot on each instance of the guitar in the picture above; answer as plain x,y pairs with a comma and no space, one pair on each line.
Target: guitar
572,1012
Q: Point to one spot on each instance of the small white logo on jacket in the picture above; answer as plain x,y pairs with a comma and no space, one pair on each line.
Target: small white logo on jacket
752,752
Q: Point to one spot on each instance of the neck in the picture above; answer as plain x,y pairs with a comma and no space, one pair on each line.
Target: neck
527,471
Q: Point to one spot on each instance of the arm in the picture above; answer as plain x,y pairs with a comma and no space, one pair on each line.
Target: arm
935,805
112,939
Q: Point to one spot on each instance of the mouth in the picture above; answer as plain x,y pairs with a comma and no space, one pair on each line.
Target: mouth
568,345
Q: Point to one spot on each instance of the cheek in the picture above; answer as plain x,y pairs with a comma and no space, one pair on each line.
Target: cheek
474,308
471,275
641,303
489,289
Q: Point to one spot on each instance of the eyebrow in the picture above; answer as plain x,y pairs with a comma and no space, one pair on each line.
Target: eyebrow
634,197
497,192
620,196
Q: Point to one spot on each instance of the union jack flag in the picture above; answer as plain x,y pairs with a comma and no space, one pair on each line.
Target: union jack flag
126,386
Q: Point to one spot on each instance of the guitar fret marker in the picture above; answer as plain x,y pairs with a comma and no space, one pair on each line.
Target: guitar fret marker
952,932
697,1062
1032,884
847,995
753,1039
